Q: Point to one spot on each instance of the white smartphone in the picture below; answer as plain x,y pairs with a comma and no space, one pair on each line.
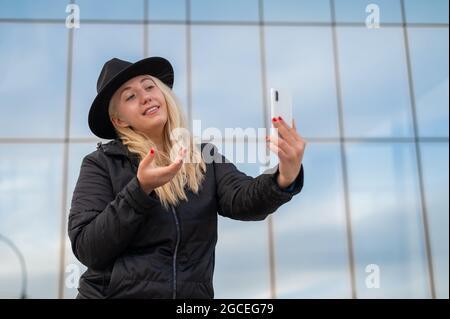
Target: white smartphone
281,104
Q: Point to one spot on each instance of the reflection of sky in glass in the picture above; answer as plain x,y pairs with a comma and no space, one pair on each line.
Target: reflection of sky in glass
42,9
297,11
423,12
429,59
374,82
301,60
30,211
230,10
435,171
167,9
32,85
226,77
111,9
310,238
386,220
355,10
92,48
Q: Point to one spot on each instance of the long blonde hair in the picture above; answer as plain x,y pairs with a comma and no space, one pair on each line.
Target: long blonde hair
191,172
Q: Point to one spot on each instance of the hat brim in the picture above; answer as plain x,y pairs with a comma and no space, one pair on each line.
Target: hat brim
99,121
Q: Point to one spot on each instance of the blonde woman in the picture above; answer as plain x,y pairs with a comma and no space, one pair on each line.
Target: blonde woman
143,217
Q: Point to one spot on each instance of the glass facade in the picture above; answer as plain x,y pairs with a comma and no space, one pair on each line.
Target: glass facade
373,218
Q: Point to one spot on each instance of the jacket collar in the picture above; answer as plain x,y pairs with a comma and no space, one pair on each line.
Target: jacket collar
116,147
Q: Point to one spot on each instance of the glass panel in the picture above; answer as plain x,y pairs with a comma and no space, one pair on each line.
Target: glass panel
42,9
355,10
374,80
167,9
174,51
30,212
92,48
310,232
111,9
423,11
33,82
226,77
297,11
242,264
435,173
230,10
429,59
387,221
301,60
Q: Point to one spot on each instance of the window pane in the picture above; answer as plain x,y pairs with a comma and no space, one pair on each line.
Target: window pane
387,221
167,9
174,51
226,77
297,10
310,232
374,80
92,48
111,9
242,262
429,59
33,82
30,212
42,9
301,60
355,10
230,10
435,173
423,11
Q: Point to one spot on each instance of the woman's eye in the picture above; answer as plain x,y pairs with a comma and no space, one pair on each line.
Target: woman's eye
129,98
149,87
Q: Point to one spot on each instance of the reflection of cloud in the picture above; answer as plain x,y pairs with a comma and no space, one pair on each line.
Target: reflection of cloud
430,100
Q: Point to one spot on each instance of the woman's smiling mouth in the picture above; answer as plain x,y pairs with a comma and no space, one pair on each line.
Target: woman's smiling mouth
151,110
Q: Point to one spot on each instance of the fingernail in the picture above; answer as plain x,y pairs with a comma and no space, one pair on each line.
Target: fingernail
152,151
274,119
280,118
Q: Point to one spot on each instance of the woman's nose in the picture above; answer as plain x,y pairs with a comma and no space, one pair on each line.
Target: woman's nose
144,97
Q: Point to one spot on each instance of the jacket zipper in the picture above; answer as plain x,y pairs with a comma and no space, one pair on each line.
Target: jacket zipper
174,261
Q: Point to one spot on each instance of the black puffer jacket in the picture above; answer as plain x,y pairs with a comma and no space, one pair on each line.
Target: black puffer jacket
134,248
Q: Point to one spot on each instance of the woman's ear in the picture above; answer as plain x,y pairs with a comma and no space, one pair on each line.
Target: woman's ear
119,122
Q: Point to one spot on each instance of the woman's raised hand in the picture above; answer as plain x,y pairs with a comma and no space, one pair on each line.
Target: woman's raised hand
151,177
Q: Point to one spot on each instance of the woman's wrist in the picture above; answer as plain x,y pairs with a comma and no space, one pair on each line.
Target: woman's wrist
145,188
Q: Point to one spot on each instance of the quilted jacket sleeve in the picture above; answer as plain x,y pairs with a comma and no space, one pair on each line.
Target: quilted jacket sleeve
243,197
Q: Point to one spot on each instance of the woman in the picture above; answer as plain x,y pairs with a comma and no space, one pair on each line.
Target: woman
143,218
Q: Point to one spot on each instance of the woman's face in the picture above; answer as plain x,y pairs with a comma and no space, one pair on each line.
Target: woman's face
140,104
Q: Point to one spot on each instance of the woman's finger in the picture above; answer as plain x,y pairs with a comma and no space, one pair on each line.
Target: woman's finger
282,144
284,130
148,158
275,149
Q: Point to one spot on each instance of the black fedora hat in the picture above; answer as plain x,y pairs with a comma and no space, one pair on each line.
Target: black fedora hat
114,73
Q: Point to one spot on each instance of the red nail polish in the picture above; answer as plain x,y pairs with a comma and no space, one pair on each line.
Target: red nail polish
152,151
274,119
280,118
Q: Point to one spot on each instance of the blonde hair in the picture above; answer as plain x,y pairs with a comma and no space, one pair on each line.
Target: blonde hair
191,172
